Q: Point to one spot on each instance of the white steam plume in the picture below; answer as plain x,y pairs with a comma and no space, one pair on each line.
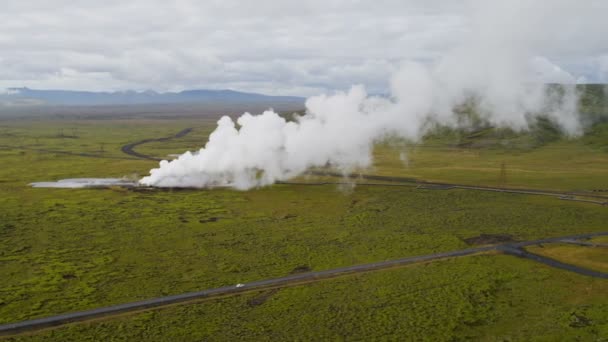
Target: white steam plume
498,64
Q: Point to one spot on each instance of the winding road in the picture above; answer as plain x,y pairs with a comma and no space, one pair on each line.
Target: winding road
128,148
514,248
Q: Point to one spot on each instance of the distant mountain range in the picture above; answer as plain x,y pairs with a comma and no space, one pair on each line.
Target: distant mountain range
32,97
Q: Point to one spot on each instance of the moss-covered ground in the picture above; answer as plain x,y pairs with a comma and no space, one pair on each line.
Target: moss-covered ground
590,257
565,164
487,297
73,249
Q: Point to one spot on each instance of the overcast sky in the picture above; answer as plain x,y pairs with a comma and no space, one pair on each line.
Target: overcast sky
277,47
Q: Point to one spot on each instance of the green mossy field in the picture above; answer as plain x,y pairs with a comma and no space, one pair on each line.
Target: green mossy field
64,250
491,297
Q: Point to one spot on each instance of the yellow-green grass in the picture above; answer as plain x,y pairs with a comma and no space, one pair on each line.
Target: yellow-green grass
102,138
73,249
595,258
70,249
600,239
564,165
484,297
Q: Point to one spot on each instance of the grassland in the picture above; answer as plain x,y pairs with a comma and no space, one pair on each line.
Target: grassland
601,239
565,164
589,257
65,250
482,298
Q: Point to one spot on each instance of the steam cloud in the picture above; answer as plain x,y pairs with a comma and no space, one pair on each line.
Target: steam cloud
497,64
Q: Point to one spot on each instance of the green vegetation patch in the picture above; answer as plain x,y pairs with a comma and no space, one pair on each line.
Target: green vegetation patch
65,250
595,258
485,297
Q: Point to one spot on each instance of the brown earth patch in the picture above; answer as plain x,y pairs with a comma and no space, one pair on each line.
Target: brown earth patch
301,269
488,239
261,298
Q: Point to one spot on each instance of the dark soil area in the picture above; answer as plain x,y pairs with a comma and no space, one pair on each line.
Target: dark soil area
261,298
210,219
301,269
488,239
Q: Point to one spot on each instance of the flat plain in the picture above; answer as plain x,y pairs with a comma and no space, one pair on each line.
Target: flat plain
64,250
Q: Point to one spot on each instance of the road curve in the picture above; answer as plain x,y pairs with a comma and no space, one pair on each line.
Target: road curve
128,148
295,279
520,252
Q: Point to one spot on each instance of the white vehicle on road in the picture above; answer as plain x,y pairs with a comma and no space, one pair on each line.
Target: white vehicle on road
240,285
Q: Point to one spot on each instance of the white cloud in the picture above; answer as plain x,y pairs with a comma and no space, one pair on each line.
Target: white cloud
288,47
